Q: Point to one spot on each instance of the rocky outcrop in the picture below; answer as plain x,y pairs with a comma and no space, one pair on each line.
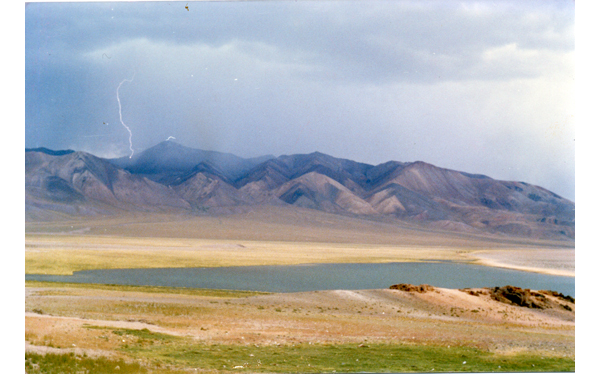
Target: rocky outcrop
423,288
558,295
525,297
518,296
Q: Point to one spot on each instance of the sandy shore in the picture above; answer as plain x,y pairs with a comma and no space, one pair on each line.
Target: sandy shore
547,261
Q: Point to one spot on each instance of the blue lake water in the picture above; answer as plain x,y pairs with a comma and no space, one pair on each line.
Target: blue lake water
314,277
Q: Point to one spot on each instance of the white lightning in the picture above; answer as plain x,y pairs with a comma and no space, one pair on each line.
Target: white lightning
121,116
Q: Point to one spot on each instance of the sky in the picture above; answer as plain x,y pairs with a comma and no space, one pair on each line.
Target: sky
484,87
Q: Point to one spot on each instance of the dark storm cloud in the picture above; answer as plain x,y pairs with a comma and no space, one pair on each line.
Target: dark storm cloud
477,86
389,40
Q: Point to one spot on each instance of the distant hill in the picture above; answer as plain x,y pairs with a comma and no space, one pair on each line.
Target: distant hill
171,177
168,161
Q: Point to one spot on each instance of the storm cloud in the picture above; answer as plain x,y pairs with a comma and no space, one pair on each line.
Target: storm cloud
479,86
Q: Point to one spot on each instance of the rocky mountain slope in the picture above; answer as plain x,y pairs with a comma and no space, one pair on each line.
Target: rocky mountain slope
171,177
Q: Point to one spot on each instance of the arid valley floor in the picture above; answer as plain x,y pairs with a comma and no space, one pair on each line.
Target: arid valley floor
97,328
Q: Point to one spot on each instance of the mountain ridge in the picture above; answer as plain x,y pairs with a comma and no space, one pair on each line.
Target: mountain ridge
172,177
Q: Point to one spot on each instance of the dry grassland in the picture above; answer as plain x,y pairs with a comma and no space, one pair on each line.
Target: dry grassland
278,224
154,328
63,255
169,330
262,237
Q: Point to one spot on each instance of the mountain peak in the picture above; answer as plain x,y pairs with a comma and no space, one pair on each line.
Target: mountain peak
415,191
168,143
422,165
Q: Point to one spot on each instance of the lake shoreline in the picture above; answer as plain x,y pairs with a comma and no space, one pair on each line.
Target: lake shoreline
320,277
559,262
498,264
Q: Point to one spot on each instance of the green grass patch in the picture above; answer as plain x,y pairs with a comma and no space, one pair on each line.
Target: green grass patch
311,358
144,334
140,337
147,289
69,363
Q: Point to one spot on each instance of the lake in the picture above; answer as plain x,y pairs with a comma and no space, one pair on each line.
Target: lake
312,277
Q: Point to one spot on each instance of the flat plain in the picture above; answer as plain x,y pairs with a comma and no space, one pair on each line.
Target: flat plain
268,236
161,329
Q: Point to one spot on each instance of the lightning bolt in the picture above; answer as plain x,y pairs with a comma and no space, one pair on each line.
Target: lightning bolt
121,116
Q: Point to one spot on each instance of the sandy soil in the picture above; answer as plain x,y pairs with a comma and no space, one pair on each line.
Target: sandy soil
64,319
540,260
279,224
68,319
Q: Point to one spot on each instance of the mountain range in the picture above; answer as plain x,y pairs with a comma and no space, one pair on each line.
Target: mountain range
172,178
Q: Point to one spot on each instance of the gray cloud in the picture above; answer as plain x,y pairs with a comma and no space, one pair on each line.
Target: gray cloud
386,39
484,87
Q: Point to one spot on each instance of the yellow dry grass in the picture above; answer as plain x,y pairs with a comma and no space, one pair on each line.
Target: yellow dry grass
108,320
264,236
61,315
65,254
